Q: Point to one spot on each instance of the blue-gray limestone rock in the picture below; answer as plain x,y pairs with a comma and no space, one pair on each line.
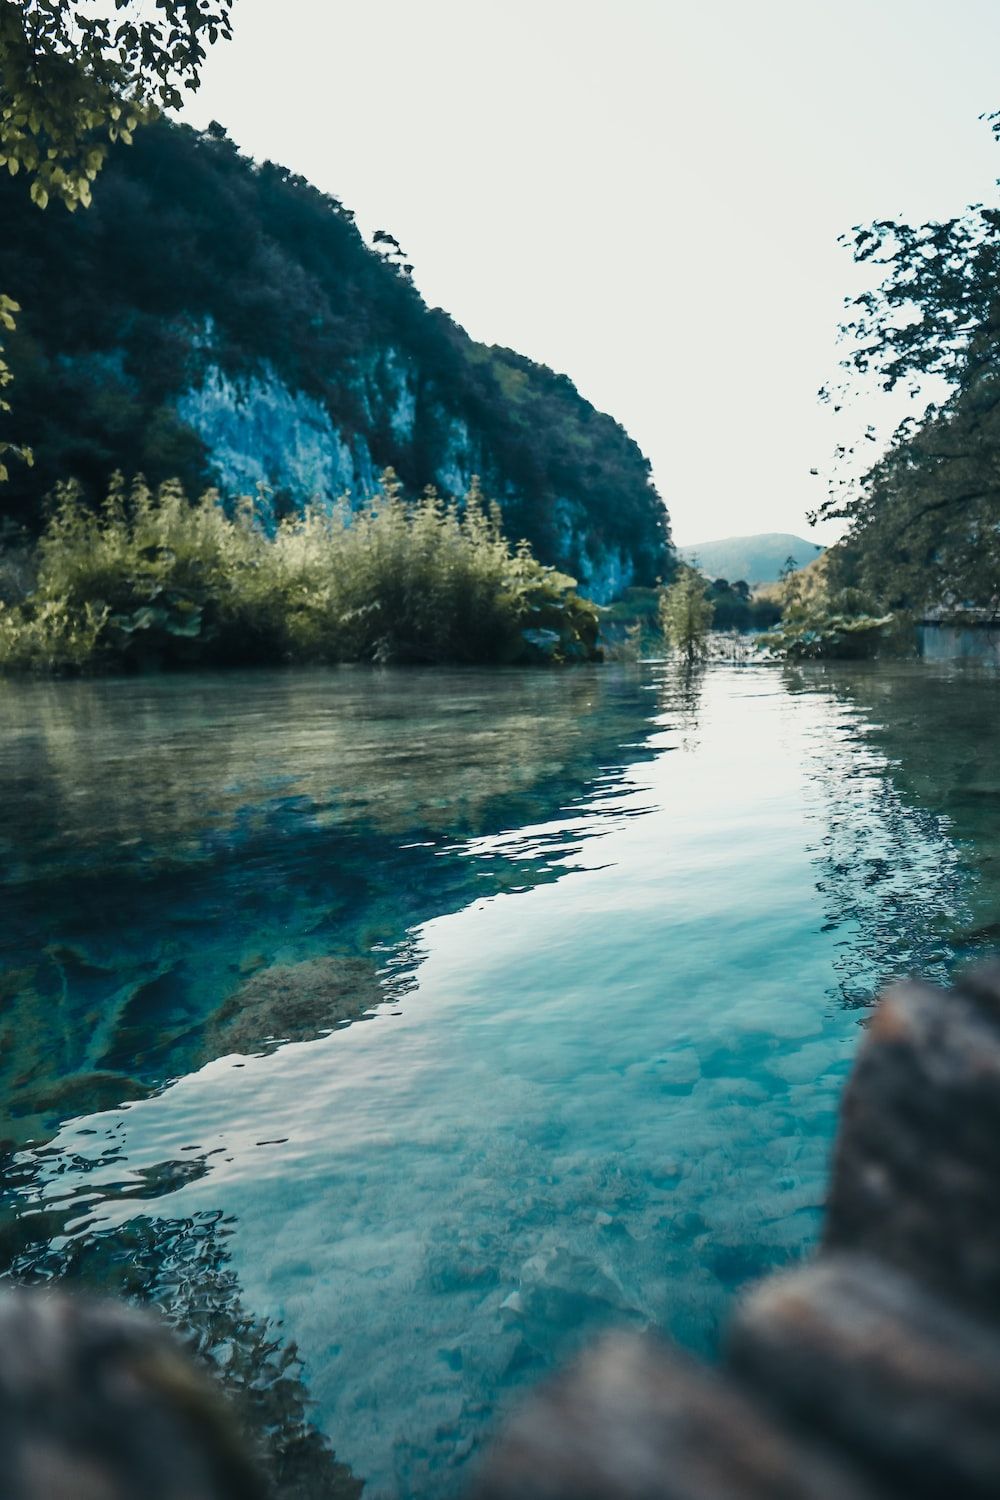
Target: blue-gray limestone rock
263,437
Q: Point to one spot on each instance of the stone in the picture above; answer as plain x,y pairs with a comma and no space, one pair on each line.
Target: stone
862,1356
634,1420
293,1002
98,1402
917,1161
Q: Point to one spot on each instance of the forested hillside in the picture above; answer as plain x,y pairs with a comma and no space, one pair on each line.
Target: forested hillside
761,558
215,320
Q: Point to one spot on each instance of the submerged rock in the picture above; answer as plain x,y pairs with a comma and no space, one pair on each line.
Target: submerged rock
293,1002
918,1152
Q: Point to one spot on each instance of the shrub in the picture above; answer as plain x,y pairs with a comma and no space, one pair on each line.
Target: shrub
737,608
820,620
812,631
150,580
686,614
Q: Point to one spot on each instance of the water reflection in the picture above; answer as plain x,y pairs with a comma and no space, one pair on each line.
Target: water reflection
607,1015
203,865
895,885
927,734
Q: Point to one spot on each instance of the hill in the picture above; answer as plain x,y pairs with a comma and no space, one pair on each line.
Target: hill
222,321
756,559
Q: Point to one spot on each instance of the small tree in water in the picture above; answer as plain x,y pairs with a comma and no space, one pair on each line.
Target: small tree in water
686,615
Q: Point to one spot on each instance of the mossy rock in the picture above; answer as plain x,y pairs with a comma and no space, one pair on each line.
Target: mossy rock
293,1003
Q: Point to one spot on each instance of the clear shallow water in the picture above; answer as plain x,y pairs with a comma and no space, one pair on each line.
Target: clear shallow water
612,933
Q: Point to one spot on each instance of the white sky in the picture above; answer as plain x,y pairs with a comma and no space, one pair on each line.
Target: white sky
645,194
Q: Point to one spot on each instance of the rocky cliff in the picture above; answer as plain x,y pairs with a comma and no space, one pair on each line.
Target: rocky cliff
225,322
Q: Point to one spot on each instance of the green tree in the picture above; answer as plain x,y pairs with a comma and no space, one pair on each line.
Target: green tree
184,229
74,79
686,614
925,518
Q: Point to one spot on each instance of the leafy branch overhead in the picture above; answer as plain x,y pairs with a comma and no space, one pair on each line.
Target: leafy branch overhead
925,518
74,79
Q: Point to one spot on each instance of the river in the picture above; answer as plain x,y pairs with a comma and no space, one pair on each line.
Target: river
431,1021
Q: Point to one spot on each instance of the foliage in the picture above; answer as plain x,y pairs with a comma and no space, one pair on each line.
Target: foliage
821,619
192,255
630,627
629,643
74,79
17,565
925,518
634,624
812,583
807,631
686,614
734,607
150,580
925,530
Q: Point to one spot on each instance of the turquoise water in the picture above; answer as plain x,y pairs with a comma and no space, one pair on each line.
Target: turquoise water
462,1014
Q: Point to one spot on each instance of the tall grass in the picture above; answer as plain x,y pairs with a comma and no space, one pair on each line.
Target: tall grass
150,580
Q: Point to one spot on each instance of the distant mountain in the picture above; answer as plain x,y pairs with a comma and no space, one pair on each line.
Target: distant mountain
756,559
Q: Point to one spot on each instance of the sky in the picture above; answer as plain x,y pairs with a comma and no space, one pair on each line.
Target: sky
644,194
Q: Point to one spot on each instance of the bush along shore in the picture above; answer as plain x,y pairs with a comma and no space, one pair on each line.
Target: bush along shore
823,619
149,580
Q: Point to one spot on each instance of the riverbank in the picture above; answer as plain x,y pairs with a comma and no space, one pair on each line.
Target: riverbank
151,581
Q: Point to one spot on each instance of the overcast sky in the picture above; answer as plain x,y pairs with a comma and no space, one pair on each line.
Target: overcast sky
645,194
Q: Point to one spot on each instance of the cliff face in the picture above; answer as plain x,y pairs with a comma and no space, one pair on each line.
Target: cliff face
225,322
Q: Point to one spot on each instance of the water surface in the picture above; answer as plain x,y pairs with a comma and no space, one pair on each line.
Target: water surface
440,1019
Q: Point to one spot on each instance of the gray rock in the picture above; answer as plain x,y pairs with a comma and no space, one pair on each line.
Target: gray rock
863,1356
917,1163
634,1420
97,1402
293,1002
